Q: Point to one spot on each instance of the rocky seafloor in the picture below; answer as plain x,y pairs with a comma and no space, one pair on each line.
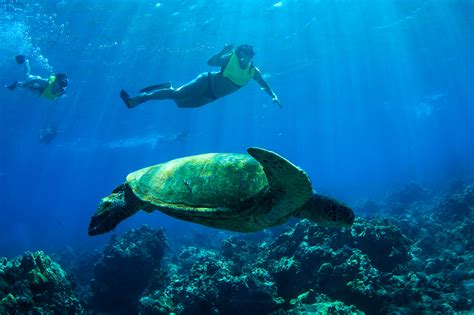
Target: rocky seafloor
412,253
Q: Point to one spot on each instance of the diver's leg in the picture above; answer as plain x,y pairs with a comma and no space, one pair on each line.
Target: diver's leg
27,69
195,93
194,89
193,102
163,94
161,86
30,80
22,60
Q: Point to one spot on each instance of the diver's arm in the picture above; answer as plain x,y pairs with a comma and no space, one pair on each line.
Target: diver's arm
218,60
266,87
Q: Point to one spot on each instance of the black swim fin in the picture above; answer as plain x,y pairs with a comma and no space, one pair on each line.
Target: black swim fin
126,99
12,86
20,59
161,86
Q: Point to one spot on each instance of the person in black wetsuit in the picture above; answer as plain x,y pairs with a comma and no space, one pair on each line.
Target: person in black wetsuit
236,71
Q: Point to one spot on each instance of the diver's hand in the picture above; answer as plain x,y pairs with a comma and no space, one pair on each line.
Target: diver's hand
277,101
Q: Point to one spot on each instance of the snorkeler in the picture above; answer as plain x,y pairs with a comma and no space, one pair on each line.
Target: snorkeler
48,134
51,88
236,71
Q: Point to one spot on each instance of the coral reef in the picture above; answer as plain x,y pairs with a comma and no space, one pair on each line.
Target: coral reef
208,283
34,284
415,260
371,268
415,257
409,194
311,302
125,268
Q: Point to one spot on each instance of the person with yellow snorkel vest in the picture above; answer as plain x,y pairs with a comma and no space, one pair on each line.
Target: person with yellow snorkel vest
51,88
236,71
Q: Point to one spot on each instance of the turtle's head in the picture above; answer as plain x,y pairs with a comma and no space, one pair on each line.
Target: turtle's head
326,212
112,210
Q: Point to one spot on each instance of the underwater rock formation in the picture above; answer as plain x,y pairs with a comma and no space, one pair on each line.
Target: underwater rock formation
437,276
311,302
371,268
207,283
125,268
414,261
34,284
456,207
310,258
409,194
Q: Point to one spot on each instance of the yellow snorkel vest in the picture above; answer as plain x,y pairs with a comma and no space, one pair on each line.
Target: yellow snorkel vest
236,74
48,91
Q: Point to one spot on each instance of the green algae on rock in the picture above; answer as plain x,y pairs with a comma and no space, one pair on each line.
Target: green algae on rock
33,283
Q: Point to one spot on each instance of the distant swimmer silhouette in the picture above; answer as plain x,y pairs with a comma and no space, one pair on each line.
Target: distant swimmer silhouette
51,88
236,71
48,134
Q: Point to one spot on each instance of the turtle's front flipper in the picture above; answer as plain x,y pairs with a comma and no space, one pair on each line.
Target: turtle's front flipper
290,187
113,209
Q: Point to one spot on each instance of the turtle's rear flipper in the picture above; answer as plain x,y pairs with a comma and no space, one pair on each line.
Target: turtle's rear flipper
161,86
290,186
326,212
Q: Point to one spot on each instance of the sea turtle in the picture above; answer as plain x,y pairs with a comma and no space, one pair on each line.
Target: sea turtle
236,192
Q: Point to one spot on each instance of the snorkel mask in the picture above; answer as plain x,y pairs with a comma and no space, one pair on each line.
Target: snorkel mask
244,50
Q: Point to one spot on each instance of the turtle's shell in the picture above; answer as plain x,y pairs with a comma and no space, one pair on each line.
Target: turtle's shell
207,182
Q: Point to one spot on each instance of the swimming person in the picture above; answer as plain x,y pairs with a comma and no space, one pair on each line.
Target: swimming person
48,134
51,88
236,71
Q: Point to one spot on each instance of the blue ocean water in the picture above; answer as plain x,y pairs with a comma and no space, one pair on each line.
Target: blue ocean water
375,94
